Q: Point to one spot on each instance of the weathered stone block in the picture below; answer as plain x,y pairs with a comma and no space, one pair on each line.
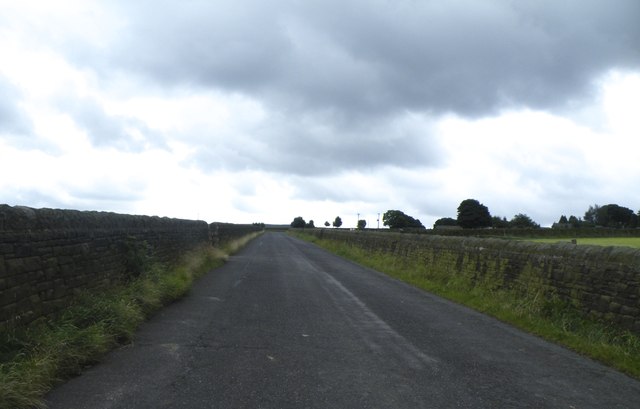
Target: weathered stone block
614,307
24,250
9,296
624,310
8,312
15,266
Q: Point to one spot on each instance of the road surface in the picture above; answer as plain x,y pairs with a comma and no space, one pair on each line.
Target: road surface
285,324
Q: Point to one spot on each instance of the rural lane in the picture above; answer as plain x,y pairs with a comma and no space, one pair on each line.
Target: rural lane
284,324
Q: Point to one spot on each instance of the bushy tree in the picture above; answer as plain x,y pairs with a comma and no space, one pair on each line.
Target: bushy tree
564,223
396,219
522,221
591,213
574,221
337,222
327,224
298,223
310,224
473,215
615,216
445,221
499,222
362,224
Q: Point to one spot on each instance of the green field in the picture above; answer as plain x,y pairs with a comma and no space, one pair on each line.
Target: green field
597,241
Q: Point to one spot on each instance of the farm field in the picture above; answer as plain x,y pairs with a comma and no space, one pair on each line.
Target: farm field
597,241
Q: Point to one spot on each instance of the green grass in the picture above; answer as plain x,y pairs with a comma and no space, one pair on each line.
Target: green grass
597,241
34,358
530,310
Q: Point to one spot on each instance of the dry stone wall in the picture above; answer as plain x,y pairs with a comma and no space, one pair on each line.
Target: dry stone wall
603,282
222,233
47,255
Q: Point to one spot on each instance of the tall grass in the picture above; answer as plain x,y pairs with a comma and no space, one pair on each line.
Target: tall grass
34,358
531,310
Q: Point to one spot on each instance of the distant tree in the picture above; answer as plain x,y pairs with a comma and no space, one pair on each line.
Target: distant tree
473,215
591,213
499,222
522,221
310,224
445,221
615,216
337,222
562,223
327,224
298,223
575,222
396,219
362,224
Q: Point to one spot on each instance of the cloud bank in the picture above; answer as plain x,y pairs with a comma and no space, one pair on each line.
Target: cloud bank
334,106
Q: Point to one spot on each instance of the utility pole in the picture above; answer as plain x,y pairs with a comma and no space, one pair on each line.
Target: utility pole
378,220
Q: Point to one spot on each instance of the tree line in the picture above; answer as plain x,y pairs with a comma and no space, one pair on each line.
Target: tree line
611,215
471,214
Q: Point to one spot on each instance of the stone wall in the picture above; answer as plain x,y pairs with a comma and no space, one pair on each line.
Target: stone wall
603,282
538,233
525,233
47,255
222,233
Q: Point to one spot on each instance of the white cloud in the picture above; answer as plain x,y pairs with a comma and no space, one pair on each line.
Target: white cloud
253,112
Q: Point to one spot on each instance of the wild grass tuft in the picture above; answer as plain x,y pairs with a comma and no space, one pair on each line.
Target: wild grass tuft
34,358
531,310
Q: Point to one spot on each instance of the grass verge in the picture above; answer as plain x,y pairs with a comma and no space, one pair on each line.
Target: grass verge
530,310
36,357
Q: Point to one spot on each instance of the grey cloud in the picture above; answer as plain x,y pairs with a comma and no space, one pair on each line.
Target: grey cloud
124,133
315,145
108,193
102,195
336,188
233,45
367,58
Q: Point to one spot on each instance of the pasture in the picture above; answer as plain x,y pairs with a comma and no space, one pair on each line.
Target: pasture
596,241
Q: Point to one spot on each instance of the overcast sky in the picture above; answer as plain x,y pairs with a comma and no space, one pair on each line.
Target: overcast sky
255,111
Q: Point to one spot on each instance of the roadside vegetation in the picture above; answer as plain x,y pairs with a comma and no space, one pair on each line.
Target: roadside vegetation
34,358
531,311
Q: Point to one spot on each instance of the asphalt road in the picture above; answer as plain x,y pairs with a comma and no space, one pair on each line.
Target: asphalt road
285,324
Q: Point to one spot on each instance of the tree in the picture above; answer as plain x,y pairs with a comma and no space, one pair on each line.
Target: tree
298,223
564,223
445,221
615,216
590,214
310,224
326,224
522,221
574,221
499,222
362,224
337,222
396,219
473,215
